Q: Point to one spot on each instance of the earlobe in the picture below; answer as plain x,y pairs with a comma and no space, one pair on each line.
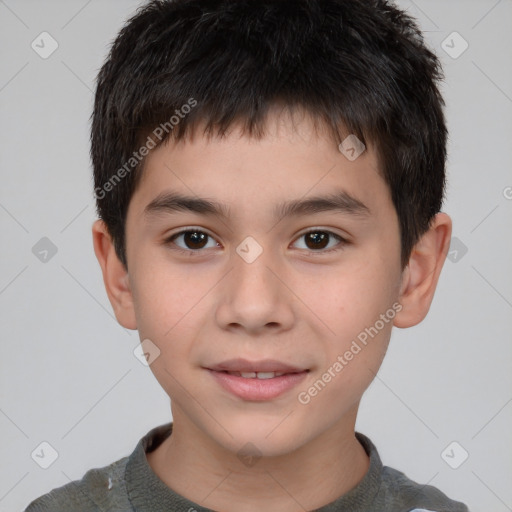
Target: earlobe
115,276
420,277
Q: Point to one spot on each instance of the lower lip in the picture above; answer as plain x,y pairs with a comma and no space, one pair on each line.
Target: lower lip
258,389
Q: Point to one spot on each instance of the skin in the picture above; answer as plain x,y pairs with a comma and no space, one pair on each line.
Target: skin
292,303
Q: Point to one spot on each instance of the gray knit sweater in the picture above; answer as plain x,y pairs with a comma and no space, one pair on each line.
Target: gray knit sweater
130,485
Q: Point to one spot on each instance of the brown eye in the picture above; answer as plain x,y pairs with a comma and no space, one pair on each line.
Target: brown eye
195,239
318,240
191,240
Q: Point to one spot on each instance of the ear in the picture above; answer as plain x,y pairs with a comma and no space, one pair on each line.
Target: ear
419,278
115,276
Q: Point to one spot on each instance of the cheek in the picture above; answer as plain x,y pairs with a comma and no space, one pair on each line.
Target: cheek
357,306
352,359
171,305
353,298
166,305
164,296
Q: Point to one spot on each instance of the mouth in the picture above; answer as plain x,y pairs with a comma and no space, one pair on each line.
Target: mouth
257,375
258,380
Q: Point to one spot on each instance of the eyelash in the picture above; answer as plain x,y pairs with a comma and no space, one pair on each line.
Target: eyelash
190,252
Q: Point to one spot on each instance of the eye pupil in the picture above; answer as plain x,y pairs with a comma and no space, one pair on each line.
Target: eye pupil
318,239
195,239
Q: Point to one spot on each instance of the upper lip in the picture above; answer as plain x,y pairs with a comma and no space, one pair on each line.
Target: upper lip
264,365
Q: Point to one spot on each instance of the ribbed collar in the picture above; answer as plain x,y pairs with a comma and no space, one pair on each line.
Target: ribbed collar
147,492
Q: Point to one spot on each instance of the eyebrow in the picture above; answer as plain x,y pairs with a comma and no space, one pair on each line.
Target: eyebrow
339,201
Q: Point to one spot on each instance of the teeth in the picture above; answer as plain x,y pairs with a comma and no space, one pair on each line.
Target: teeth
257,375
266,375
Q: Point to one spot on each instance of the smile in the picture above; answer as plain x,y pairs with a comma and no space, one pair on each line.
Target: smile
257,386
257,375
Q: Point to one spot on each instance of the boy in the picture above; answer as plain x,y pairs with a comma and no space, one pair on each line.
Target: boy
269,176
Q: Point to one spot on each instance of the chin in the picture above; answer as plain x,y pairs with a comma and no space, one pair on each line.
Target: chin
260,439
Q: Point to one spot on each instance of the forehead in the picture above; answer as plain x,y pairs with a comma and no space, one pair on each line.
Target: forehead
294,158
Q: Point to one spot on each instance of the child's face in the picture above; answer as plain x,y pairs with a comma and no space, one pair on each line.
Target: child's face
294,304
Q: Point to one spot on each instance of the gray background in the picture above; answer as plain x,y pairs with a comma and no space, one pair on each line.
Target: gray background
68,373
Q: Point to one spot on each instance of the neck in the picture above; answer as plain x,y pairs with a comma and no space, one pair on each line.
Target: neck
199,469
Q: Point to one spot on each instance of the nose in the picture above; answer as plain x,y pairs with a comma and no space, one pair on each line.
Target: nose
254,295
